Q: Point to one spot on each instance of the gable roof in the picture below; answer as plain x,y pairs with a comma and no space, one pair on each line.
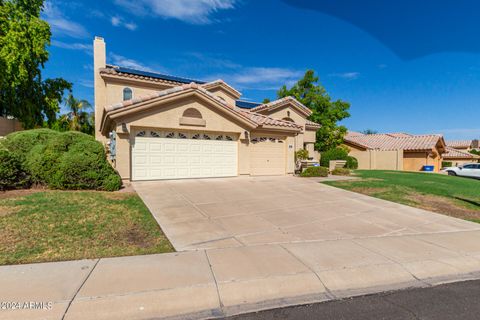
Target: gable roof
459,143
283,102
395,142
146,75
312,125
254,120
225,86
453,153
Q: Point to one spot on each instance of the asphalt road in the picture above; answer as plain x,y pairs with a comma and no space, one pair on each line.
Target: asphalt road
460,300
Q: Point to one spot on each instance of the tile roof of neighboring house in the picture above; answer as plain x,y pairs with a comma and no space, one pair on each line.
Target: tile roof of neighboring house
399,134
279,102
459,143
312,124
389,142
258,119
453,153
146,75
246,104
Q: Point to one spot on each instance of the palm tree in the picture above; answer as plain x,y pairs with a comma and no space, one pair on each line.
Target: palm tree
79,117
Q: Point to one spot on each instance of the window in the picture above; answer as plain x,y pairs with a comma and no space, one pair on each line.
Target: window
182,136
272,139
228,138
141,134
170,135
127,94
154,134
196,136
220,137
192,113
206,137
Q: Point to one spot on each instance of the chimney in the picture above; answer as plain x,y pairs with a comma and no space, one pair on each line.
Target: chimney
99,62
475,144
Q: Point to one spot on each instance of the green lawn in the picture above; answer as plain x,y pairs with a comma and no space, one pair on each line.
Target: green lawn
65,225
455,196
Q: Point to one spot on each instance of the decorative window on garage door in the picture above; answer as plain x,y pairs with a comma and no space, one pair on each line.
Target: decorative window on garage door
266,139
185,135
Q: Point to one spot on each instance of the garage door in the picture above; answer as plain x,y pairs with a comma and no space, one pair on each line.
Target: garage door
267,156
179,155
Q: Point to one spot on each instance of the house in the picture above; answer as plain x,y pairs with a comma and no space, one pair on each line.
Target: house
160,126
396,151
463,145
459,157
8,125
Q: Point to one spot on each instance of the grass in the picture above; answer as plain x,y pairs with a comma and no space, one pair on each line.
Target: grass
455,196
64,225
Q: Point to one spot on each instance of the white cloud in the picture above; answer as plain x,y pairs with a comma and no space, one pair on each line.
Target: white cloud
190,11
346,75
118,21
62,25
261,78
87,48
128,63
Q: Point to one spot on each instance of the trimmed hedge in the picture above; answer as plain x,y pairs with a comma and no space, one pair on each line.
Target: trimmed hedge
315,172
12,175
338,153
63,160
341,172
447,164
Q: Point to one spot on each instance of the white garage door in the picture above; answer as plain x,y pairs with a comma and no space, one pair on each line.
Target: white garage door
179,155
267,156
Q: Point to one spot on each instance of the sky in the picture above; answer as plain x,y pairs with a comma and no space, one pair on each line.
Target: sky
403,68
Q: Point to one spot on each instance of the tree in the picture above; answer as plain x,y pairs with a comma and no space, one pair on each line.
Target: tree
266,100
79,118
325,111
24,38
369,131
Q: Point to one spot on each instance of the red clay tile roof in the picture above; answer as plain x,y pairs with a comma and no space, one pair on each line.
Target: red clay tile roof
279,102
459,143
393,142
312,124
453,153
258,119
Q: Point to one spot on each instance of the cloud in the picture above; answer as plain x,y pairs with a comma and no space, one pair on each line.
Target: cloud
261,78
118,21
87,48
128,63
86,83
62,25
190,11
346,75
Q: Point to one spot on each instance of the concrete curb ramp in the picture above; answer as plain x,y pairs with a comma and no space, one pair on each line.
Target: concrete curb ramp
219,282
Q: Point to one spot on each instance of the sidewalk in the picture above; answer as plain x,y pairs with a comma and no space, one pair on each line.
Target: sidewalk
218,282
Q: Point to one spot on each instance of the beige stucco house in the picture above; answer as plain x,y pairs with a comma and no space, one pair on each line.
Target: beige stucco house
396,151
459,157
165,127
8,125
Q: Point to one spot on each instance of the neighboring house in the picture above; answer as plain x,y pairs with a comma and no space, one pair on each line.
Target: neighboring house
168,127
396,151
459,157
9,125
463,145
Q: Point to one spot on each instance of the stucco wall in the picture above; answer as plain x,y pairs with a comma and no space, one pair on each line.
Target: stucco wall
115,91
377,159
8,126
414,161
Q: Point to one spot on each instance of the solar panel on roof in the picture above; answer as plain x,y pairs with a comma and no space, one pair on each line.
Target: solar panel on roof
157,75
246,104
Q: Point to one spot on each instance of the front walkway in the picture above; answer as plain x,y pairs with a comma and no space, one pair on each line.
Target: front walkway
265,249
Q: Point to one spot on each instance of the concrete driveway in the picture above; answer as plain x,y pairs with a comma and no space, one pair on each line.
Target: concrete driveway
220,213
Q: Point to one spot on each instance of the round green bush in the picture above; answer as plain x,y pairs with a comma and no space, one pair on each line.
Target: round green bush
65,160
21,142
352,163
12,175
341,172
315,172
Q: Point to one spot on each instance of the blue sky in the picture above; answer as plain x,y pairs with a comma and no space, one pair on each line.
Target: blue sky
392,80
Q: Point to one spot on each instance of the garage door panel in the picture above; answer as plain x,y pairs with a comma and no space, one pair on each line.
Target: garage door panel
156,158
267,156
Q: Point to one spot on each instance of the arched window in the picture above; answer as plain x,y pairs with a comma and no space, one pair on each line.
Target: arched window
127,94
288,119
192,113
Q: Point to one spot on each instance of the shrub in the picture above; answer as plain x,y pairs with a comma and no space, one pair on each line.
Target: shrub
447,164
315,172
301,154
12,175
20,143
352,163
339,153
341,172
69,160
